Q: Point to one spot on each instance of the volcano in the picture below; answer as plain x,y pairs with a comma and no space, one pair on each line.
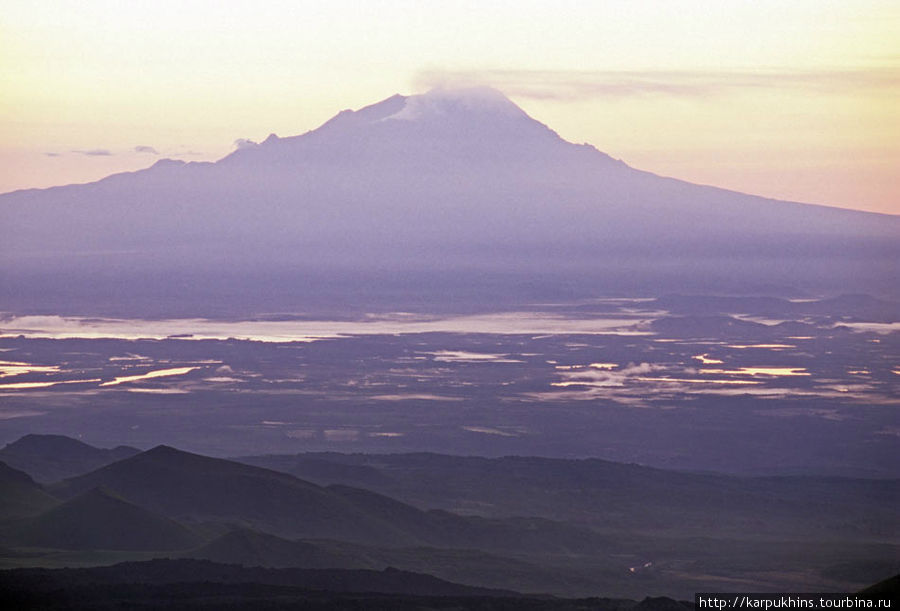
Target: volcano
444,180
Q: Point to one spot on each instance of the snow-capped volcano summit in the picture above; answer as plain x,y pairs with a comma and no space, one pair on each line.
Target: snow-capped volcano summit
453,124
443,104
450,177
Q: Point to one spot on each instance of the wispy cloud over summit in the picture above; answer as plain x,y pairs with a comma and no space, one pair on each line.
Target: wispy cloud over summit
584,84
93,152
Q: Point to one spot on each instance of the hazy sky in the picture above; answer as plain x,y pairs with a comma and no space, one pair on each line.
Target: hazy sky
795,99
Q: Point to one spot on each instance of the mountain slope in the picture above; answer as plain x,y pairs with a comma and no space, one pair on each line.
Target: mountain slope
465,566
170,572
180,484
20,495
613,495
98,519
441,179
250,548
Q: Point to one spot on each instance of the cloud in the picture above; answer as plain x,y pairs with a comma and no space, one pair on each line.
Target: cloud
188,154
243,143
603,377
52,154
93,152
586,84
142,148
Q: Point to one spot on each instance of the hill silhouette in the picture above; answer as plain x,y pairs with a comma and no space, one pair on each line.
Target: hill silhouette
49,458
181,484
887,588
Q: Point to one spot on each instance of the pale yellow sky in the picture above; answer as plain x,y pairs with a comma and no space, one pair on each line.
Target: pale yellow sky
791,99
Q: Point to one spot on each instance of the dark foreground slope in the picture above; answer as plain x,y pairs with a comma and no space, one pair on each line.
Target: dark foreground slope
192,584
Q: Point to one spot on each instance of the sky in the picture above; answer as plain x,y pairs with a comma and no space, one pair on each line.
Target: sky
796,100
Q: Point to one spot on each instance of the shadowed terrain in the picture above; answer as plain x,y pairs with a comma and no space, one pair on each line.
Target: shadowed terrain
568,527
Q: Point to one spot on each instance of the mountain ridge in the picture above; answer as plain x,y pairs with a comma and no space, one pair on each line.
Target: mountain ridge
589,522
185,486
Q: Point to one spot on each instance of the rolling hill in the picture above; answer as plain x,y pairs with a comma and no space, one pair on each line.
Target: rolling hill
181,485
608,495
251,548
